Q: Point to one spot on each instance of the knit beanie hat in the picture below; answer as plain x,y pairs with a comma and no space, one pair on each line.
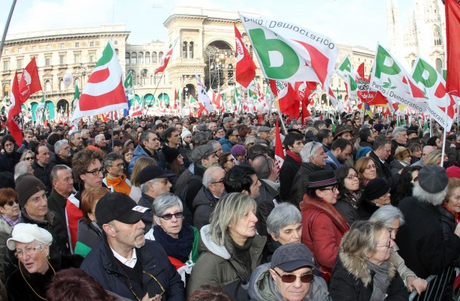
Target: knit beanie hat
170,154
26,186
376,188
185,133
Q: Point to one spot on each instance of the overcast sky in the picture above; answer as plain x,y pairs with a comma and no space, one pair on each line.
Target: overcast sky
353,22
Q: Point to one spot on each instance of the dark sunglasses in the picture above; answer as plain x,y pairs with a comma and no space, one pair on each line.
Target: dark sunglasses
290,278
169,216
12,202
28,158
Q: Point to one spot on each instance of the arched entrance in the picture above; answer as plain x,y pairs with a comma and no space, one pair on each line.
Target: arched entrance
63,106
149,99
219,60
50,113
164,98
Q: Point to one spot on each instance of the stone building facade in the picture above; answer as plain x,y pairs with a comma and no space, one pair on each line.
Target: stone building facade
205,47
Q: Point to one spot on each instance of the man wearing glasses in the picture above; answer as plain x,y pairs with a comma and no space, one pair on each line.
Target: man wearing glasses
288,277
88,170
229,140
124,262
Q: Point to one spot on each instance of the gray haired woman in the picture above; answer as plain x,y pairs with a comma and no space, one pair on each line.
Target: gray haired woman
231,248
179,239
284,224
392,218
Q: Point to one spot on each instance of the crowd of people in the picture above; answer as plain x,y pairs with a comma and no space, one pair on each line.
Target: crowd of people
169,208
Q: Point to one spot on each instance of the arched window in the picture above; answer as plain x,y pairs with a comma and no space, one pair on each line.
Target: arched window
147,57
437,36
438,65
190,50
6,90
127,58
154,57
77,82
412,63
47,85
133,74
134,58
184,49
140,56
160,55
61,85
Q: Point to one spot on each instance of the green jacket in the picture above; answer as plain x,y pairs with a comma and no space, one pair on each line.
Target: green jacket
213,267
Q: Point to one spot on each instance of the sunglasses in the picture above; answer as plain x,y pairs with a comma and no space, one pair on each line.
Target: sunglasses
290,278
28,158
169,216
12,202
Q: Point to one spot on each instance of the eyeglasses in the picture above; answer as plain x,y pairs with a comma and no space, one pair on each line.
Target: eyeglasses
28,251
290,278
332,188
95,172
117,165
231,160
130,286
387,245
352,177
218,182
162,181
12,202
28,158
169,216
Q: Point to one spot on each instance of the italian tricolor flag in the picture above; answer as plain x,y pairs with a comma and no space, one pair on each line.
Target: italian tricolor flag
104,91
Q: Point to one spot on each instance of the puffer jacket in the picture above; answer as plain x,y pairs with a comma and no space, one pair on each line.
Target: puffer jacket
213,267
352,280
322,232
262,287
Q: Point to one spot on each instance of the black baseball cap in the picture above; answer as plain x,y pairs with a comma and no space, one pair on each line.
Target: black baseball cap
118,206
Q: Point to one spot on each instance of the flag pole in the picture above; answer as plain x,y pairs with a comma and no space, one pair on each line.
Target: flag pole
156,88
7,25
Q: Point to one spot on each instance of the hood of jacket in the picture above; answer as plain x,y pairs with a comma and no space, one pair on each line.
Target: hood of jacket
207,244
357,266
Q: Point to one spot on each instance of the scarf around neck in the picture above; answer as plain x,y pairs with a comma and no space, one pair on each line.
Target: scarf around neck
178,248
381,280
294,156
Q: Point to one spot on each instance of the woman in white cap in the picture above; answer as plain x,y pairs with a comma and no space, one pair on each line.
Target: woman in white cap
289,277
36,266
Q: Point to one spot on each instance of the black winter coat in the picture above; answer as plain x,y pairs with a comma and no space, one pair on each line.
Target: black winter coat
420,240
300,183
8,161
344,286
106,270
287,174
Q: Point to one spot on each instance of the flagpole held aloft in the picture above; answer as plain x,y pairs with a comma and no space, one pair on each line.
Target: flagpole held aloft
7,25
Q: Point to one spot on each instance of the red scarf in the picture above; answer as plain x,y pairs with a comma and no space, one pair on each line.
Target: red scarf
294,156
453,213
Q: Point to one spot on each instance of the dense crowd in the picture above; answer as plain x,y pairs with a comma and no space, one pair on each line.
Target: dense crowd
169,208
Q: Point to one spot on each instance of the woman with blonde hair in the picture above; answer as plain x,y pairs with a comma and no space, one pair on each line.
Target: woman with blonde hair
140,164
366,268
231,247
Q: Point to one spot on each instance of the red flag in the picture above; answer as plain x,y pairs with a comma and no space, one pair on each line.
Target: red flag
279,151
288,102
453,47
166,57
360,71
30,82
14,121
245,67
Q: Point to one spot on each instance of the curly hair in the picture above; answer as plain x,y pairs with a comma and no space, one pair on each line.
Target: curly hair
83,159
